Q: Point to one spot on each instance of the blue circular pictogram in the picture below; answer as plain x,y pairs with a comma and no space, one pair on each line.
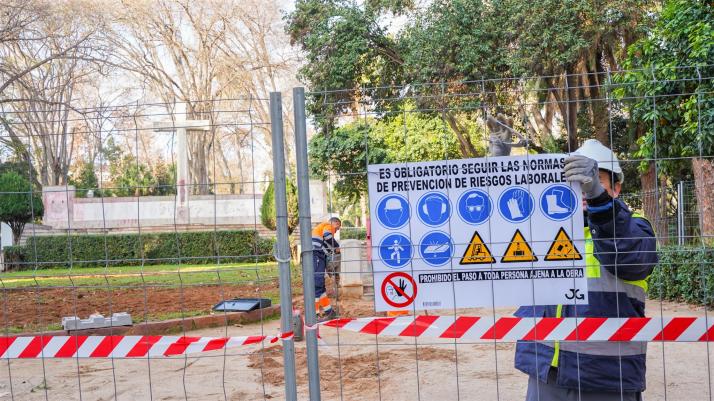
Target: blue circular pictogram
475,206
558,202
436,248
393,211
434,209
395,250
516,204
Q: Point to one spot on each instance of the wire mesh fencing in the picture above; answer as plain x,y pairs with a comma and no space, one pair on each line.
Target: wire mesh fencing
680,219
417,350
160,211
138,221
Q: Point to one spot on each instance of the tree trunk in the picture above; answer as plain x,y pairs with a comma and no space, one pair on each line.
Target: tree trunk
654,203
649,198
465,145
661,224
704,182
543,125
17,228
599,117
571,115
592,76
200,148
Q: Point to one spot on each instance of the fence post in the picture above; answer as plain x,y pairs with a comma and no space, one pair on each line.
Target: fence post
308,269
680,213
282,251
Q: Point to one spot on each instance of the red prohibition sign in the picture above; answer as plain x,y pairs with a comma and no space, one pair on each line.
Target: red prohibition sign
390,280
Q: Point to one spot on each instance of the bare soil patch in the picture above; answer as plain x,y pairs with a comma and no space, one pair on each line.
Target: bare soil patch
348,375
29,309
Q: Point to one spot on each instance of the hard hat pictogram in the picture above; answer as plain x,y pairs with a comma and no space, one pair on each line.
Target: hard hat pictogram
477,252
563,248
393,211
518,250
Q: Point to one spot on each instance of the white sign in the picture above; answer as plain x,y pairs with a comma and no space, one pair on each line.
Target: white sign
499,231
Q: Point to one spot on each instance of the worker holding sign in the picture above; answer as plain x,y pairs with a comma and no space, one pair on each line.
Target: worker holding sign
620,253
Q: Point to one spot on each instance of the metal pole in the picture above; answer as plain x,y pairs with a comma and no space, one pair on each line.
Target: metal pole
308,267
282,251
680,213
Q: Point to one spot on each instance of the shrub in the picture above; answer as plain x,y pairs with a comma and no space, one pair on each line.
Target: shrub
133,249
684,274
18,203
353,233
85,180
267,208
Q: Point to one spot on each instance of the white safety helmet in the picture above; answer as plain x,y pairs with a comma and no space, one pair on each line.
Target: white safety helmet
605,158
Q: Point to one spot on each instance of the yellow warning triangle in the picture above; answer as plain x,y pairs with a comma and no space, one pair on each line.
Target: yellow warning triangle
477,252
563,248
518,250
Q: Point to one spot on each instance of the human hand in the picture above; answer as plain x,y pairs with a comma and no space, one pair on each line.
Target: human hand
584,170
402,287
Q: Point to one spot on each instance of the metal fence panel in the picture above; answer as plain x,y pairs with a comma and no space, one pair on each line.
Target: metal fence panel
448,120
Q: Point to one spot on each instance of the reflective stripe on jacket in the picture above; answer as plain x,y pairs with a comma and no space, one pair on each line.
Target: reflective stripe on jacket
620,253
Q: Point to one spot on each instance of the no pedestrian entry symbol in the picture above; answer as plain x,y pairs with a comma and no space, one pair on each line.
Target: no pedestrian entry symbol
399,289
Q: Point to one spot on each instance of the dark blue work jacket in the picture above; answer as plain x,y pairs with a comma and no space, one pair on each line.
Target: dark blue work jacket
621,253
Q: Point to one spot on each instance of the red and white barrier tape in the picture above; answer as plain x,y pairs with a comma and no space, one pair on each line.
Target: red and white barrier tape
680,329
675,329
120,346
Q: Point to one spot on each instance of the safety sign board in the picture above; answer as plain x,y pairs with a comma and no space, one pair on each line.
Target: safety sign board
563,248
477,252
395,250
518,250
436,248
399,289
497,231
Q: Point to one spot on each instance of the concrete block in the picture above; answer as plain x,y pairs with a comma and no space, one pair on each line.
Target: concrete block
96,321
351,267
352,291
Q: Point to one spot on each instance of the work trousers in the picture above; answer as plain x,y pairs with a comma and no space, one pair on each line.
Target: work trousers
320,261
539,391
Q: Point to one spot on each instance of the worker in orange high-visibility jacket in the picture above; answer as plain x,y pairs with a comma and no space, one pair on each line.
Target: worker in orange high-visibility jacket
325,245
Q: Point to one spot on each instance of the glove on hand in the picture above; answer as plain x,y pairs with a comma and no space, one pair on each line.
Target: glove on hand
584,170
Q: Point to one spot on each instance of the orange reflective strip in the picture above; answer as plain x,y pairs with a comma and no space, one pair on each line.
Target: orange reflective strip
324,301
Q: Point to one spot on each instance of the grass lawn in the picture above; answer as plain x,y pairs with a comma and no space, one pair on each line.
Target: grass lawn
169,275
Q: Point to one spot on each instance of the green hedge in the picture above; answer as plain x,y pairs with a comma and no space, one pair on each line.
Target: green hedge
684,274
353,233
132,249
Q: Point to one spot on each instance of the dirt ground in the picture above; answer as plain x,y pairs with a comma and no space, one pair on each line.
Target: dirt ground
30,308
353,367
